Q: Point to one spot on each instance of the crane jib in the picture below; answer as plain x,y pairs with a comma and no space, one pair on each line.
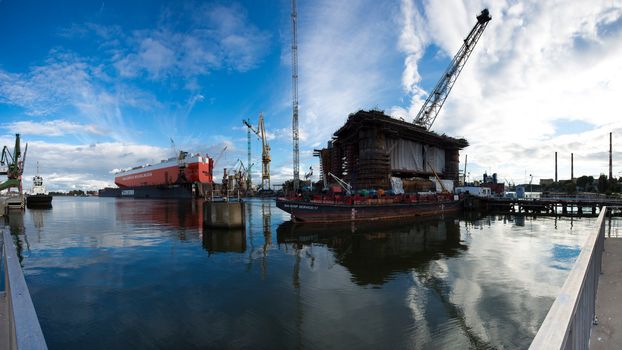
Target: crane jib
433,104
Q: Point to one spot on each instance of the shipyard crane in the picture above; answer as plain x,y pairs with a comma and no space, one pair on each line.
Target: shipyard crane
433,104
265,151
295,94
249,179
12,165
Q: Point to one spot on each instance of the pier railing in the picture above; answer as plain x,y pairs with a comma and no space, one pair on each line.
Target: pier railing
569,321
21,329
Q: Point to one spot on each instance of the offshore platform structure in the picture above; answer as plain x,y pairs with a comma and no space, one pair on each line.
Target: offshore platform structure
265,151
12,165
372,149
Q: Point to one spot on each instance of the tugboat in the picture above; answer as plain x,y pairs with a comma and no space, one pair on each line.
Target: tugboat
38,197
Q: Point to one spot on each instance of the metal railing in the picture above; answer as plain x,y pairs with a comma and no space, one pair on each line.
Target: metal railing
569,321
24,330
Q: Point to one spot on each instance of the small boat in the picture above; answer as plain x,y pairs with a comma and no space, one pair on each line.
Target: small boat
357,208
38,196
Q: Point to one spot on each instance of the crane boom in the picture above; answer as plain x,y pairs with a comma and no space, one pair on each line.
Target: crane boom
433,104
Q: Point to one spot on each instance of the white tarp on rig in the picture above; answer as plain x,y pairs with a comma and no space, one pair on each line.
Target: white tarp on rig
406,155
447,184
397,185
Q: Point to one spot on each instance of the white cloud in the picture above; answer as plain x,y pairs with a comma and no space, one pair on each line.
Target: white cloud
345,49
85,166
213,37
69,84
58,127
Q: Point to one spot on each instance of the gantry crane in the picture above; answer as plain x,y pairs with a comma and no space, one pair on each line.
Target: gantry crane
265,151
433,104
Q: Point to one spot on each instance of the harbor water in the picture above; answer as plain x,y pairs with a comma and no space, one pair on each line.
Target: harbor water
108,273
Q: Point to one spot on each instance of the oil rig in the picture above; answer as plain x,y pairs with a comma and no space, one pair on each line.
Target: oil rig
375,151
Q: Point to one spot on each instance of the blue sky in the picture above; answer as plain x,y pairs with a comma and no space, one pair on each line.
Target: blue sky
97,86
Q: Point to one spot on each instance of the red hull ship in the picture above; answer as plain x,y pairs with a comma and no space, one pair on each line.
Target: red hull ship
186,176
195,168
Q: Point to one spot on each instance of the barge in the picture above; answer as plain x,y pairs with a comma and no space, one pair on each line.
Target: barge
354,208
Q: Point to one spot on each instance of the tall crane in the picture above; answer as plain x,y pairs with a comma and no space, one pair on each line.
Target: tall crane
295,94
433,104
265,151
249,179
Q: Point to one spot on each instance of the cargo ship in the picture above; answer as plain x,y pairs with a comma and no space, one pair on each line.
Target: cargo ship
360,208
184,176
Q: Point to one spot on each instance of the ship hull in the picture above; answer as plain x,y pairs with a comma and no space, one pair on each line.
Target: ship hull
178,191
196,169
39,201
302,211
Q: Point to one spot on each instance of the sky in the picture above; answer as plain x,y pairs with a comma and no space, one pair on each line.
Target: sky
97,86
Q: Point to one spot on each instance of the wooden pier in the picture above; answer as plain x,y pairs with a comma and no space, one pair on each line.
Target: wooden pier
579,206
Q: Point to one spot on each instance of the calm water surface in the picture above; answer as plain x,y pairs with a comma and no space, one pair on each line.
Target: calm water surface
109,273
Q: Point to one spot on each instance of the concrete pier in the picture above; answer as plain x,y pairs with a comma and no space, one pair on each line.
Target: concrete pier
11,202
224,214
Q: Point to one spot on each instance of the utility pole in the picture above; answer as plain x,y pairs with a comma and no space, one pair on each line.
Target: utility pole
295,95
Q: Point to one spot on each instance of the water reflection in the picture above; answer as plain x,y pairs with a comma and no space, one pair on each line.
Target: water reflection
373,253
174,213
147,271
224,241
15,221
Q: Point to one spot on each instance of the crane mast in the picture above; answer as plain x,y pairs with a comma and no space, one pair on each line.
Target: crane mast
295,95
265,155
433,104
249,179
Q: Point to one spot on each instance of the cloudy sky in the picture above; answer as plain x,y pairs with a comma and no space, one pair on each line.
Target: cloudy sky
95,86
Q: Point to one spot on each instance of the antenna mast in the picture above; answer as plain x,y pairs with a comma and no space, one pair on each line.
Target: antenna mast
295,95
